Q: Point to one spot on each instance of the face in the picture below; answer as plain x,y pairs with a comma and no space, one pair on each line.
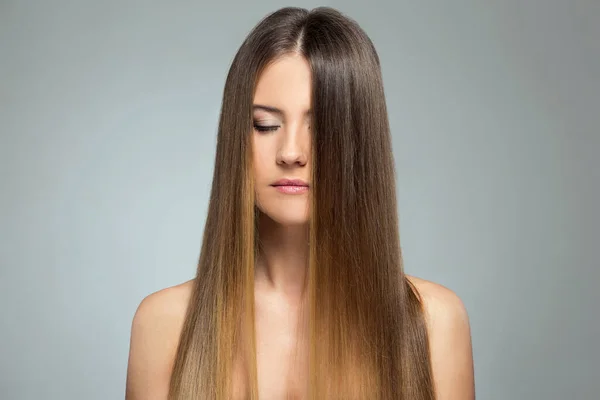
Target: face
281,140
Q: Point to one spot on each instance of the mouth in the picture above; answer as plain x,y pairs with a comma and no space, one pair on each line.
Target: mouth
291,189
291,186
290,183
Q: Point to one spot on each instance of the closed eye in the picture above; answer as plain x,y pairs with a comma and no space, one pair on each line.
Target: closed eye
265,128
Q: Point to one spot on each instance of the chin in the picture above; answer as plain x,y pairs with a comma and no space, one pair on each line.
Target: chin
286,217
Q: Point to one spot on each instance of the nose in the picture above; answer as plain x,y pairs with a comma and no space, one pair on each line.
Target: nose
293,149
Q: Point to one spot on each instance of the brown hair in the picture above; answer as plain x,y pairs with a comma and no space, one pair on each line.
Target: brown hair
368,337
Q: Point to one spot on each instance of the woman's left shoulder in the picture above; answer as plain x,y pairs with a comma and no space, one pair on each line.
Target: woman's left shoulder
449,333
438,300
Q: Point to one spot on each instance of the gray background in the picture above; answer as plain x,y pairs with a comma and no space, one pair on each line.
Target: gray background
108,116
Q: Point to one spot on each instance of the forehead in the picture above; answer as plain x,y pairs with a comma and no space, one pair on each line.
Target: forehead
285,84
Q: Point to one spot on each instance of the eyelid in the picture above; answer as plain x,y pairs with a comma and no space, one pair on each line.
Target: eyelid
265,123
266,120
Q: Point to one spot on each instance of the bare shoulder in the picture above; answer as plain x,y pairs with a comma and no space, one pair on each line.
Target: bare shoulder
449,339
170,302
154,338
438,300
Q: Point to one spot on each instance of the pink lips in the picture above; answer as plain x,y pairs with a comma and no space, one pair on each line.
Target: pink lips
291,186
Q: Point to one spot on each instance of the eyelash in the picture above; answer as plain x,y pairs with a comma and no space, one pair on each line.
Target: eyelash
265,128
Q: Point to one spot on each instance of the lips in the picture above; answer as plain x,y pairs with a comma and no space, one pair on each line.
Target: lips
290,182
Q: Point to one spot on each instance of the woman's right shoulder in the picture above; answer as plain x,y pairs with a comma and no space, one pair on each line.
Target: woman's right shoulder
155,332
163,311
170,302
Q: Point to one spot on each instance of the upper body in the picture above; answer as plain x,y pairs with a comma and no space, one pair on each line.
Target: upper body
316,101
158,320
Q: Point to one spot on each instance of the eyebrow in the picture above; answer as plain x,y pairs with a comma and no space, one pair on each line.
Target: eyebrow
274,109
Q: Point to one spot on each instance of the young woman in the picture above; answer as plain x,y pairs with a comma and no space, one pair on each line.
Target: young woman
300,291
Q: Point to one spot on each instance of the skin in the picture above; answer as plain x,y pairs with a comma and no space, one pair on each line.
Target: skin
283,224
284,153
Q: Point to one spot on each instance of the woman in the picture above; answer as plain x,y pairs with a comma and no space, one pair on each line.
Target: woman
300,291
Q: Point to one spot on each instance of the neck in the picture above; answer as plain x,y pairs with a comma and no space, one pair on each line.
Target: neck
282,261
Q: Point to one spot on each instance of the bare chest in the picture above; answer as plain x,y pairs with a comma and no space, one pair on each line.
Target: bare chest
282,357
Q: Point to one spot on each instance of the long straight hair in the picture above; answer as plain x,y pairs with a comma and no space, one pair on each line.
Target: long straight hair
367,331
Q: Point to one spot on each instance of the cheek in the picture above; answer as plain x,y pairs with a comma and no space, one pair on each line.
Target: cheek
260,175
259,171
261,159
